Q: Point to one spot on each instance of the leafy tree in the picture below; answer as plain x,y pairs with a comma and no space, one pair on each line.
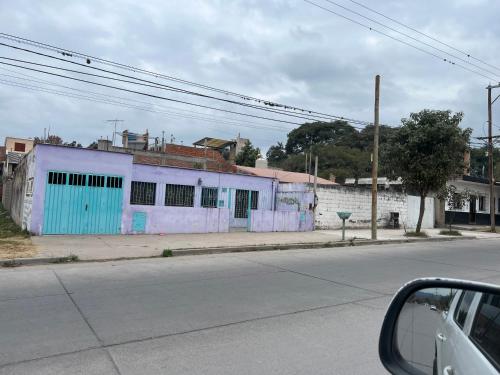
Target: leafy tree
454,198
366,136
248,155
276,154
307,135
426,151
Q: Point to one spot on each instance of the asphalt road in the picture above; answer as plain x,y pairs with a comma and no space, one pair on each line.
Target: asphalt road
288,312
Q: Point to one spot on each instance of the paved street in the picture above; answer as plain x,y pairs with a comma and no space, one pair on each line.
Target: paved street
288,312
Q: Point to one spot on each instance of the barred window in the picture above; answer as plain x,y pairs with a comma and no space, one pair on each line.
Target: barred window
143,193
95,181
209,197
114,182
77,179
57,178
179,195
241,204
255,200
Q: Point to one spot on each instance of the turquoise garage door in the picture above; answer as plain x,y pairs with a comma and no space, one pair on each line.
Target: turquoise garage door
81,203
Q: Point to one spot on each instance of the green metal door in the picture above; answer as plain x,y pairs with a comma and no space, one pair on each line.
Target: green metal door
79,203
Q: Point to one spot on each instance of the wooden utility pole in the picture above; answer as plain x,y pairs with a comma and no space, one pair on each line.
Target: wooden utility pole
314,189
375,158
491,176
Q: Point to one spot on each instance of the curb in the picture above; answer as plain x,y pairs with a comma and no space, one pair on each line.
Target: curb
230,249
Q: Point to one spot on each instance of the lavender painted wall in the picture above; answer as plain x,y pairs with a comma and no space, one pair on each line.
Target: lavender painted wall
161,218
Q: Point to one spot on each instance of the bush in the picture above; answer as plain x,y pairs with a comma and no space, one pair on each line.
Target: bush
415,234
450,233
167,253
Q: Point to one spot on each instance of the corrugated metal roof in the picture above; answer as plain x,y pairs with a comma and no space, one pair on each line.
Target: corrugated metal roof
214,143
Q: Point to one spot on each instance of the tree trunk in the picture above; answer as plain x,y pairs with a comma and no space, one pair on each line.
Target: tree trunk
421,213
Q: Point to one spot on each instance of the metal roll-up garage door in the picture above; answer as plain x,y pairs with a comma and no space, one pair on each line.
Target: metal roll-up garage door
82,203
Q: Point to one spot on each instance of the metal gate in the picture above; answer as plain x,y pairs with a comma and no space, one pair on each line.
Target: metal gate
79,203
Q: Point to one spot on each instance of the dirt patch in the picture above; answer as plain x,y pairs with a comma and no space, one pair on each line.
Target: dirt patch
17,247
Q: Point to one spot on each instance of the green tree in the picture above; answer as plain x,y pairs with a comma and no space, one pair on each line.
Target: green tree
307,135
426,151
248,155
276,154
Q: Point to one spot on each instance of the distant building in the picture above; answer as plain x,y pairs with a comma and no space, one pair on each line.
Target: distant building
10,156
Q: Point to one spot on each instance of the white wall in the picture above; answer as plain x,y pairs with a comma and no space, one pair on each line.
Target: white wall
414,208
358,201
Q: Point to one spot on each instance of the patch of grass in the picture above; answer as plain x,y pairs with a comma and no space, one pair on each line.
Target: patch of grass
167,253
415,234
446,232
8,228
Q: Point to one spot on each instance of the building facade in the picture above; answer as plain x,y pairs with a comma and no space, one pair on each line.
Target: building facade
477,209
65,190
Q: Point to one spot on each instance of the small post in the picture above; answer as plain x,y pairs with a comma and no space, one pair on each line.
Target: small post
343,229
375,158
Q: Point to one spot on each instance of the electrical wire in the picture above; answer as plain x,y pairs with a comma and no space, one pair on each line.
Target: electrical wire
425,35
410,37
400,41
89,58
126,105
149,95
168,88
37,80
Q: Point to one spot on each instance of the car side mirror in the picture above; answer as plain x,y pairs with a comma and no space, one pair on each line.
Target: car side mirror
426,316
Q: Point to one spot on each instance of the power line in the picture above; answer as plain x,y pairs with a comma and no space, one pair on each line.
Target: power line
409,36
89,58
37,80
400,40
150,95
126,105
164,87
425,35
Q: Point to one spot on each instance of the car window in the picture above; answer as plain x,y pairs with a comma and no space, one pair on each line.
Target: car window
463,307
485,331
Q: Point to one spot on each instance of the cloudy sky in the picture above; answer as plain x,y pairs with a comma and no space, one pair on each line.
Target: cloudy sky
286,51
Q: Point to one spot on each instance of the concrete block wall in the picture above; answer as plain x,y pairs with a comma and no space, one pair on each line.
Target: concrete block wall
357,201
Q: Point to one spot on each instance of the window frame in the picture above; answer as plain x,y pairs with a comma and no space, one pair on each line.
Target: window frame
134,199
478,345
16,144
457,309
187,196
213,197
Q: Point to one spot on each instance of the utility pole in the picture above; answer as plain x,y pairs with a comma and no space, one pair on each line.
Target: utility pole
114,132
314,189
375,158
491,176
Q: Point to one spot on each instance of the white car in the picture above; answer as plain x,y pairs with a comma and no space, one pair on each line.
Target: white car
468,338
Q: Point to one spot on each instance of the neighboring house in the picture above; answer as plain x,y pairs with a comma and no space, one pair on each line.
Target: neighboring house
382,183
12,154
284,176
175,156
477,209
66,190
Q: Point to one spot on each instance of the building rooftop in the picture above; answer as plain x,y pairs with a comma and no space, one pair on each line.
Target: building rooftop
214,143
284,176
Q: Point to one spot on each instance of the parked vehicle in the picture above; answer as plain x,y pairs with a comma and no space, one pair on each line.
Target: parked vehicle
464,338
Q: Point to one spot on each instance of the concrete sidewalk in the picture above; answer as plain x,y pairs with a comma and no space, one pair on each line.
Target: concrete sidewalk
140,246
